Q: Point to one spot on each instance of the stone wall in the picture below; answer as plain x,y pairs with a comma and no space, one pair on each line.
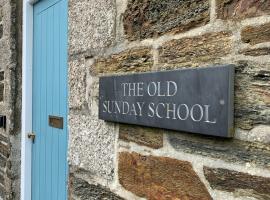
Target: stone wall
10,97
116,161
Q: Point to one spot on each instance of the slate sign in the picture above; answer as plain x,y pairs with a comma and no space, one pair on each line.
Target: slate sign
198,100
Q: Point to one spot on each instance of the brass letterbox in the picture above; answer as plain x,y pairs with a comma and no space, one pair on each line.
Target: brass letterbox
56,122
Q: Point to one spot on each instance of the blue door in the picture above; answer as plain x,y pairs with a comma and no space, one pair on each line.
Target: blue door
49,152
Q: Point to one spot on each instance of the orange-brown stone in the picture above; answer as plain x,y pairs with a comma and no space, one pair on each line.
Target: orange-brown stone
132,60
195,51
256,34
160,178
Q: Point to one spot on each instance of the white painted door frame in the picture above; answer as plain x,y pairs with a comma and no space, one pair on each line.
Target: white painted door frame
26,144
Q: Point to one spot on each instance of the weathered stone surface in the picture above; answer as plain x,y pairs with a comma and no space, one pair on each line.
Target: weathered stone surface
4,150
81,189
2,179
2,76
1,25
92,144
239,9
92,96
158,178
5,54
3,138
233,181
10,88
1,31
3,161
256,34
229,150
133,60
77,82
91,24
1,13
2,192
252,94
2,87
199,50
150,137
260,133
152,18
256,52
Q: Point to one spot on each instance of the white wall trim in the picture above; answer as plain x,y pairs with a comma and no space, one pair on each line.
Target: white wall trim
26,144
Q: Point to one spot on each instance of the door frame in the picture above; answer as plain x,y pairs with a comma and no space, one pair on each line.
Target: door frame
26,117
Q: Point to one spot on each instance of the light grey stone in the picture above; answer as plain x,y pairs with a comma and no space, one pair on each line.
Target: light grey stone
77,82
121,6
91,24
260,133
92,145
92,90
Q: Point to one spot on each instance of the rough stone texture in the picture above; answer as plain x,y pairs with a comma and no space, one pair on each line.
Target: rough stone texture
229,150
150,137
91,25
2,161
2,87
81,189
252,94
2,76
92,145
1,31
104,40
2,192
239,9
259,133
152,18
91,142
256,34
158,178
133,60
242,183
256,52
2,179
4,149
10,97
92,92
77,82
199,50
1,21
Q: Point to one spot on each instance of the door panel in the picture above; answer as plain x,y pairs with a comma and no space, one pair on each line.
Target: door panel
49,158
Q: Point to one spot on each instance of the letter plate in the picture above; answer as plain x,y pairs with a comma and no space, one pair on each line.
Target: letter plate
198,100
56,122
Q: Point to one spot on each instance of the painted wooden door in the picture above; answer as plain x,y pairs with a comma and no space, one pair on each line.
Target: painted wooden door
49,152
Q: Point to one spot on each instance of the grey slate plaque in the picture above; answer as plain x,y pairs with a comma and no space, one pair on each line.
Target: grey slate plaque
198,100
